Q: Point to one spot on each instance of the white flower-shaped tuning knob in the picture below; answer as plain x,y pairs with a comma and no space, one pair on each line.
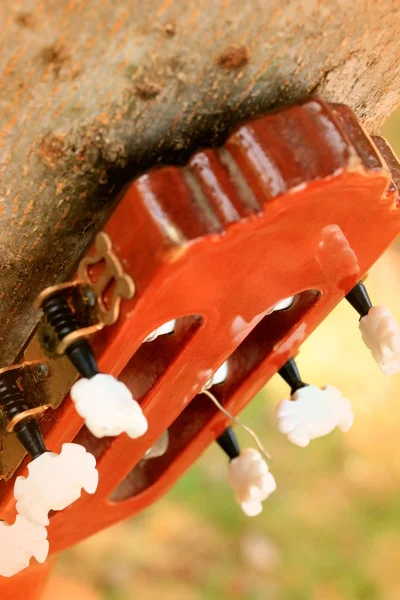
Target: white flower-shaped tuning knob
108,407
313,413
251,481
54,482
381,334
19,543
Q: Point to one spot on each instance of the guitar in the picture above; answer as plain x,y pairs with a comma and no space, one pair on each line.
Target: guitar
297,204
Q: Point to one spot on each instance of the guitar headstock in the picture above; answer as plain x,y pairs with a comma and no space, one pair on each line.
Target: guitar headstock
297,204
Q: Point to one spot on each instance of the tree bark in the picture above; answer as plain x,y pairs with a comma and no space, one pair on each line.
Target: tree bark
94,92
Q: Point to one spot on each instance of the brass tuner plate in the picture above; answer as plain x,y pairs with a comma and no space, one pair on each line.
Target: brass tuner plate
83,303
46,383
112,273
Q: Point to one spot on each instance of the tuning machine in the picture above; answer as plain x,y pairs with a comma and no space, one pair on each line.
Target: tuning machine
379,329
23,398
311,412
74,311
54,480
248,474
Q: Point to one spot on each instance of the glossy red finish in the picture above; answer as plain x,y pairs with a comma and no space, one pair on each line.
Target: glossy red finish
296,203
27,585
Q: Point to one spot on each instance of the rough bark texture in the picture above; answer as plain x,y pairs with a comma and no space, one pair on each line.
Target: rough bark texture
92,93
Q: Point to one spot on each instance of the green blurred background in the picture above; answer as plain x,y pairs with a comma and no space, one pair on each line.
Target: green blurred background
331,531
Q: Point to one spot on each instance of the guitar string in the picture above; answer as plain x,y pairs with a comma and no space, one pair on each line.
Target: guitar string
238,423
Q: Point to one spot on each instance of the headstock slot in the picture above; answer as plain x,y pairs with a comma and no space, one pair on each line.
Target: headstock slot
146,366
257,349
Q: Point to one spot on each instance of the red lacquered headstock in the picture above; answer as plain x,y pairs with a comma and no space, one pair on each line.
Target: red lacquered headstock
296,203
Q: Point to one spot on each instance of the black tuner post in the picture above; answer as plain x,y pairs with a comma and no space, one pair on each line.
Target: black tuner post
63,321
359,299
290,373
13,404
229,443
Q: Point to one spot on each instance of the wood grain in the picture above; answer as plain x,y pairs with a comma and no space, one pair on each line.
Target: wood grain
93,93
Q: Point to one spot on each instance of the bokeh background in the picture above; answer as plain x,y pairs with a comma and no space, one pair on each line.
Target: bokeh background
330,532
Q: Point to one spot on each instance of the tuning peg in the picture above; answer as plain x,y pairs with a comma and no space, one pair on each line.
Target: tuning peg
311,412
248,474
54,482
19,543
19,414
105,403
63,322
379,329
290,374
108,407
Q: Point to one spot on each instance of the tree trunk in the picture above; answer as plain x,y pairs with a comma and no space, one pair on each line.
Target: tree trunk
92,93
